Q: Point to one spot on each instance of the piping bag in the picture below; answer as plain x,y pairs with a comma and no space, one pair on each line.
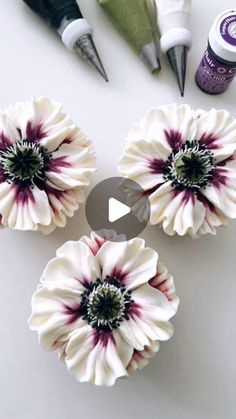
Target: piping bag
174,25
132,20
66,18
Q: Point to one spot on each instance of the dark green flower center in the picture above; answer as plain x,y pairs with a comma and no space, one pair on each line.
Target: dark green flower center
191,167
23,162
106,304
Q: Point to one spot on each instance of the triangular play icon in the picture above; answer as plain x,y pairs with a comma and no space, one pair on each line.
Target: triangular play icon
117,210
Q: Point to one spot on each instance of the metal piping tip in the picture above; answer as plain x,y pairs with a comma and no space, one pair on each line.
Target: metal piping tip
87,50
153,17
178,61
148,55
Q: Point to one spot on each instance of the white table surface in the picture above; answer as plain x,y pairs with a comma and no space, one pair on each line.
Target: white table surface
194,374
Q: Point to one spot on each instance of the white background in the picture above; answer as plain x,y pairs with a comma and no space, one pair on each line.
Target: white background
194,374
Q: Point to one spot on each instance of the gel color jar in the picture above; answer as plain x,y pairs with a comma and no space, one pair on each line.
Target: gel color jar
218,66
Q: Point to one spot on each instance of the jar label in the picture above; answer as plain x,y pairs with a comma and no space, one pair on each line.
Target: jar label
228,29
212,75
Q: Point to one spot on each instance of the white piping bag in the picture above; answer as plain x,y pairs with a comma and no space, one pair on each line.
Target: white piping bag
174,25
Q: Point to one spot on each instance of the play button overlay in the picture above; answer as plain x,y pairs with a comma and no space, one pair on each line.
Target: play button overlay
119,205
117,210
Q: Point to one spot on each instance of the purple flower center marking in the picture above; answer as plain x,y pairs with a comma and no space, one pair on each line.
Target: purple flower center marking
191,167
174,139
105,304
24,163
157,166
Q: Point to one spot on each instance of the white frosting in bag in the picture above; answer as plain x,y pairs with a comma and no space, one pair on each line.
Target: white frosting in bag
173,14
174,23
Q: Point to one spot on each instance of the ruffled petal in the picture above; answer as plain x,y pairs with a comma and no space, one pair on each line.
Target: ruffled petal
23,208
222,191
75,267
148,318
213,218
70,167
94,242
140,332
97,240
8,132
129,262
170,125
41,121
98,358
141,358
179,211
78,138
159,199
151,303
144,162
63,205
216,131
189,216
54,314
164,282
137,131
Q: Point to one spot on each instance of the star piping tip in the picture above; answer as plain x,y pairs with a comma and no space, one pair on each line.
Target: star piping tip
87,50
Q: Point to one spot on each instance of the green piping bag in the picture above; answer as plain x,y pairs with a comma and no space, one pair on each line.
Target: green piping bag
132,20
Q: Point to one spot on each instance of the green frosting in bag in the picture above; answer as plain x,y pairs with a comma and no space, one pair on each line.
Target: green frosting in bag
132,20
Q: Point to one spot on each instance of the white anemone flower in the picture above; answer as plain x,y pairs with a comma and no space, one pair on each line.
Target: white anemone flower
104,306
185,161
45,165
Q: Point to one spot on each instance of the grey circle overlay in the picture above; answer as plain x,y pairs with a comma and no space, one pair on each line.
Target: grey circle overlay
128,193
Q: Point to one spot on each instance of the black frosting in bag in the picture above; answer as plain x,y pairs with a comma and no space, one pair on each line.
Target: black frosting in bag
54,11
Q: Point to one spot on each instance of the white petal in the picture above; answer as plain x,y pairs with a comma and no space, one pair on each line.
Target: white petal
170,119
70,167
79,138
98,360
162,330
143,162
165,283
141,358
74,267
44,118
136,132
189,217
222,193
133,334
217,131
97,240
177,211
148,320
8,132
214,218
23,209
159,200
152,303
52,318
130,262
63,204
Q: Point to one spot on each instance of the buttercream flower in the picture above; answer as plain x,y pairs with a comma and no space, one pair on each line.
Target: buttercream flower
105,306
45,165
185,162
